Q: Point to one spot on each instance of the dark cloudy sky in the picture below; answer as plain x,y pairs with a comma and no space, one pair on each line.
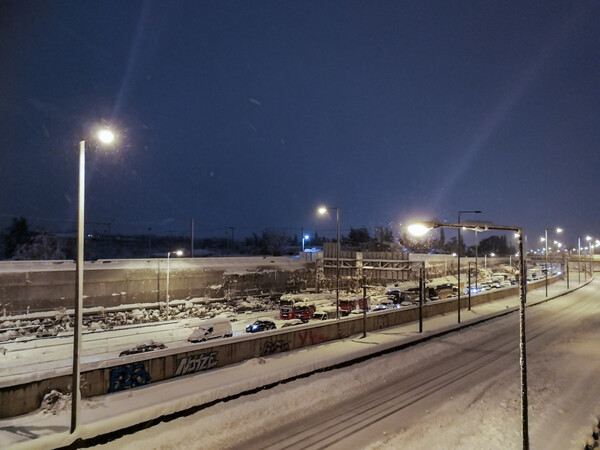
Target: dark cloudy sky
252,113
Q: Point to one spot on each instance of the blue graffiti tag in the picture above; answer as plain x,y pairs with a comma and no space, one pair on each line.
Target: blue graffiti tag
128,376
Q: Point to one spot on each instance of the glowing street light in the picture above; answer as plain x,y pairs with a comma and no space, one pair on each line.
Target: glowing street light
306,237
177,253
322,211
419,229
545,239
105,136
422,228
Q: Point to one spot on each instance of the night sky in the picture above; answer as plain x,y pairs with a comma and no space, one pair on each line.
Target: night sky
249,114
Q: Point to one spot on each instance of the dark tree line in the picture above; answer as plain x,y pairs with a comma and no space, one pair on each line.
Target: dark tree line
18,241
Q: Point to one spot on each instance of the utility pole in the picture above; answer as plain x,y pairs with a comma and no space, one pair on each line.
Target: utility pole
232,228
191,238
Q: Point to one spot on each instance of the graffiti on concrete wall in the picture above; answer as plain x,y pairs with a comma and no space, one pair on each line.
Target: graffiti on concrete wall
311,337
128,376
275,347
383,322
196,363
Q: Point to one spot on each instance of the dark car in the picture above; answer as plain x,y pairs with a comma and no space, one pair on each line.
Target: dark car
399,296
143,348
260,325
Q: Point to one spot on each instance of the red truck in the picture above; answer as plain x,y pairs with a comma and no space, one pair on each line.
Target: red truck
350,304
291,308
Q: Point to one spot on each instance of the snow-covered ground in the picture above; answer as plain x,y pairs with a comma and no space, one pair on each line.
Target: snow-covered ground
457,391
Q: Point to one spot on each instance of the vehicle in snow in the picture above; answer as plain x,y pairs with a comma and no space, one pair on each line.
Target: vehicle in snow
325,313
261,325
143,348
384,304
349,304
398,296
294,309
211,329
292,322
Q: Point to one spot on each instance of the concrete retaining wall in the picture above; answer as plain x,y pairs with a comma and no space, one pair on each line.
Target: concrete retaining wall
137,370
48,286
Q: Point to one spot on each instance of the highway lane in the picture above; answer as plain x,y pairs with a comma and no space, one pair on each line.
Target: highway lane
474,362
28,355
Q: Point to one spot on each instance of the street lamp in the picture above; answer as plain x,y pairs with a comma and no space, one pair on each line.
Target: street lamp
470,262
105,136
476,261
579,258
178,253
420,229
593,257
459,288
323,210
306,237
545,239
591,253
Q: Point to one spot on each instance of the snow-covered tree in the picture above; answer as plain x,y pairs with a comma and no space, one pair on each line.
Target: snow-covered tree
42,246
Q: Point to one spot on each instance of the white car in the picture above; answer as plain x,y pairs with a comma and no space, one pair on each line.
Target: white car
211,329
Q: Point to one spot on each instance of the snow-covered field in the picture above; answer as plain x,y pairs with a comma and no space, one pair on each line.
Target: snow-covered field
457,391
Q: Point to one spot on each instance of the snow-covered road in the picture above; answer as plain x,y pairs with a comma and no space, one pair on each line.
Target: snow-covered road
458,391
29,355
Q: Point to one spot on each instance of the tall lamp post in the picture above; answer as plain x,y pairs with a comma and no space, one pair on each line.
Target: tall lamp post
305,238
470,262
178,253
593,258
579,257
459,289
590,249
558,230
476,261
323,210
105,136
420,229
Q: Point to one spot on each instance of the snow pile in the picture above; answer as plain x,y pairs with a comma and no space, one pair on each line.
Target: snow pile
55,402
102,319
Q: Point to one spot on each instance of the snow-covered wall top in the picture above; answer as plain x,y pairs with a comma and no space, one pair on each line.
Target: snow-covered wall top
230,264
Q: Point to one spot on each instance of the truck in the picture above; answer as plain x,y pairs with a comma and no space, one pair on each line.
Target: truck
349,304
296,308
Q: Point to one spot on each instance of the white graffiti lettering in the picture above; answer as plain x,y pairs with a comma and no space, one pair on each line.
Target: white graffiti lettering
196,363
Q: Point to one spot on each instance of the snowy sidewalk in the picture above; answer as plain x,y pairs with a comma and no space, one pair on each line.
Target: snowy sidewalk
126,409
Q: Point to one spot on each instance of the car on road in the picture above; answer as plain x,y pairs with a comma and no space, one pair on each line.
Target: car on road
292,323
211,329
383,305
398,296
261,325
143,348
